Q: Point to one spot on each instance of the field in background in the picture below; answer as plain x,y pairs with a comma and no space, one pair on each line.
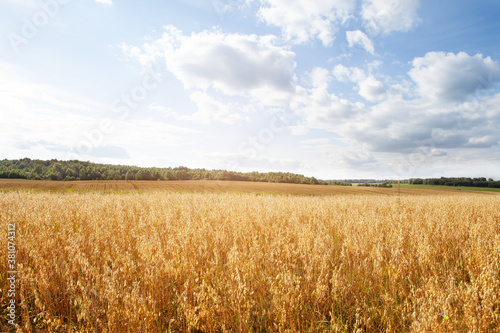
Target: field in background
221,260
452,188
217,186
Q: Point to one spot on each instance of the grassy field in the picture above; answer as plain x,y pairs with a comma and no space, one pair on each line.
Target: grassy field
452,188
229,257
442,187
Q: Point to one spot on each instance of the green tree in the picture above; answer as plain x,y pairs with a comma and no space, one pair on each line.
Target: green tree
143,174
83,174
70,172
129,176
182,174
58,171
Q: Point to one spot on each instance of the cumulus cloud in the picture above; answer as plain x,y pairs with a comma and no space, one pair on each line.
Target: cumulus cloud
319,78
348,74
234,64
369,87
321,109
372,89
441,116
393,123
360,38
453,77
383,17
399,125
302,21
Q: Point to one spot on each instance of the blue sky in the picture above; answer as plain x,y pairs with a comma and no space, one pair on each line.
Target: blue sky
332,89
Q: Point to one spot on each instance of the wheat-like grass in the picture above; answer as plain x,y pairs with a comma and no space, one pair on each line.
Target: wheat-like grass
229,262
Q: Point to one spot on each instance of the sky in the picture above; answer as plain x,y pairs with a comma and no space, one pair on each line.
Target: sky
334,89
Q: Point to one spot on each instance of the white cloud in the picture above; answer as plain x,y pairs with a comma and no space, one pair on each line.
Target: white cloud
299,130
315,142
105,2
399,125
453,77
302,21
374,65
145,57
394,123
319,77
360,38
371,89
356,158
348,74
320,109
382,16
234,64
210,110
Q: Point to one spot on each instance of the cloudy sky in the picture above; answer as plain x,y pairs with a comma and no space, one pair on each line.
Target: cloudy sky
326,88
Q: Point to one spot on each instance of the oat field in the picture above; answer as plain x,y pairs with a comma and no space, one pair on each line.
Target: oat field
167,261
203,186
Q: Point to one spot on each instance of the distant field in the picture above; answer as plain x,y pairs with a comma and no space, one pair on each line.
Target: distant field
456,188
222,186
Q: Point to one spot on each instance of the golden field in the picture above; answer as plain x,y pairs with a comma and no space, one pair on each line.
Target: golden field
217,186
220,260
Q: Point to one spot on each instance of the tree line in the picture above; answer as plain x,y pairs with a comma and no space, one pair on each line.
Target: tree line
457,181
384,184
78,170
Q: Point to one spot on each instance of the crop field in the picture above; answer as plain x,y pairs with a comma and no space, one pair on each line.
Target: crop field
249,257
119,186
